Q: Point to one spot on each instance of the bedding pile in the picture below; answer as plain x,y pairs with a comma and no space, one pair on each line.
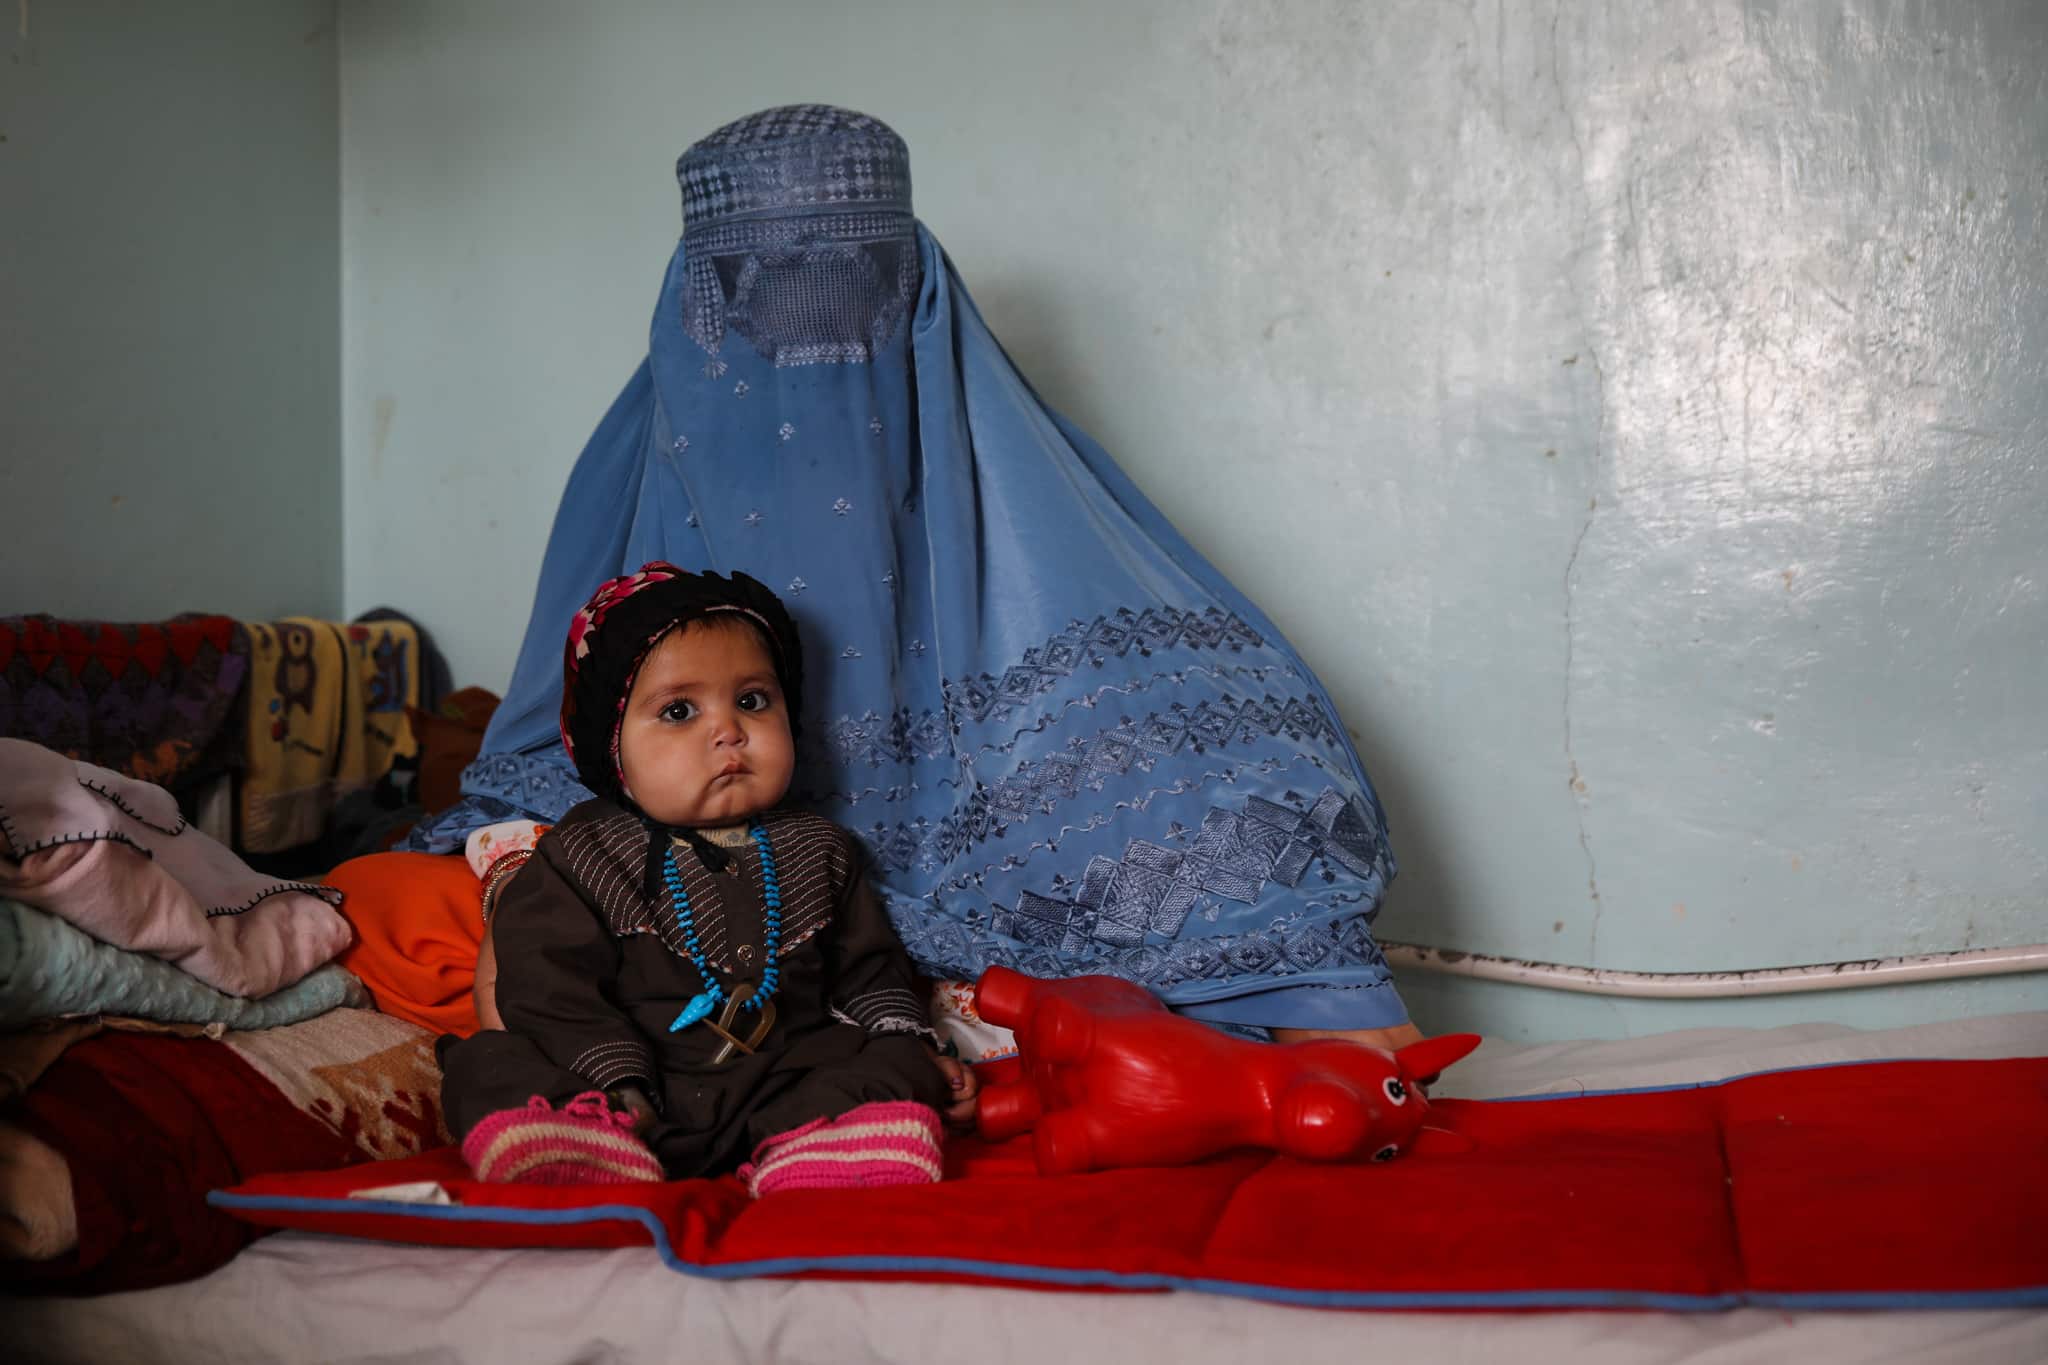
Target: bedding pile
116,858
51,970
130,944
148,1124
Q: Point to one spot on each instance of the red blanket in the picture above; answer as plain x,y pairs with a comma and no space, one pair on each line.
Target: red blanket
148,1125
1895,1184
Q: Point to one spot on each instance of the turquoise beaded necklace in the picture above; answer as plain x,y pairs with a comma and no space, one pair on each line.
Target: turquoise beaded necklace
704,1002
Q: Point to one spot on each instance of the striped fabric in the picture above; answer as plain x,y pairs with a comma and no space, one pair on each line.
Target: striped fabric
612,1063
582,1143
608,858
886,1143
887,1009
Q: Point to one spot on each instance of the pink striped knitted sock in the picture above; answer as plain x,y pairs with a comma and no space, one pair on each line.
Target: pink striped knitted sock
582,1143
893,1142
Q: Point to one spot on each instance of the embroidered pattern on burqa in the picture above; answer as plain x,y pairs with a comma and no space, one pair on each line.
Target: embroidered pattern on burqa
1068,743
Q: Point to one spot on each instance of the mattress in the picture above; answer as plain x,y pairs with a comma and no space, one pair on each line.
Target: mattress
300,1297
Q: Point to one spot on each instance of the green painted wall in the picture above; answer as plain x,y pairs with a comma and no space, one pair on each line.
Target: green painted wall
169,309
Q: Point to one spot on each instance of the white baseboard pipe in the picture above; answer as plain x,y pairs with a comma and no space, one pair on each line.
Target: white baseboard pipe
1826,976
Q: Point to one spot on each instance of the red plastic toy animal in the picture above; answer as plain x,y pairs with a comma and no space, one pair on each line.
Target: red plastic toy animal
1110,1077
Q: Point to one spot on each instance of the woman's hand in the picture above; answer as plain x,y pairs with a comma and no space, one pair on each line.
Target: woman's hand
962,1084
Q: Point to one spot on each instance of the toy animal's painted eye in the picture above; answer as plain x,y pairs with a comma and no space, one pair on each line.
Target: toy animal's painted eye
1396,1091
1386,1153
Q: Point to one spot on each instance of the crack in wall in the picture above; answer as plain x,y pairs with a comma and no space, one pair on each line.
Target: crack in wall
1576,785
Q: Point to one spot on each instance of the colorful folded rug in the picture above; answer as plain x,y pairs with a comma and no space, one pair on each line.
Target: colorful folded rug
1879,1185
151,701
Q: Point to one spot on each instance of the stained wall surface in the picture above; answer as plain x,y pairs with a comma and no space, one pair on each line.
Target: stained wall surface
170,309
1637,412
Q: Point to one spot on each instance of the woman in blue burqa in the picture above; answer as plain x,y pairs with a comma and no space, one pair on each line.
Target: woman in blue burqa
1068,744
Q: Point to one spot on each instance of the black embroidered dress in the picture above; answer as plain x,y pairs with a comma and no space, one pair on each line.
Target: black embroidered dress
592,969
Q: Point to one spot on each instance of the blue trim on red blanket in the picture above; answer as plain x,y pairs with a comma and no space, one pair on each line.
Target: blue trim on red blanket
1724,1080
2024,1297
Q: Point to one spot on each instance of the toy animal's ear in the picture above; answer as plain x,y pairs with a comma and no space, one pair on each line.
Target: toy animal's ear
1425,1060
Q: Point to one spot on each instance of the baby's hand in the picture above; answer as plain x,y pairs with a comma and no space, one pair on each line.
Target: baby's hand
963,1085
632,1101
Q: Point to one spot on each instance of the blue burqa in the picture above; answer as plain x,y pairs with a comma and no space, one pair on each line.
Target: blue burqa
1067,742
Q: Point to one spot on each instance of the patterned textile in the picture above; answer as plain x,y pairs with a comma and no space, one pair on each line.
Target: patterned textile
1067,742
437,680
326,715
492,844
499,787
798,156
148,701
969,1036
370,1078
294,732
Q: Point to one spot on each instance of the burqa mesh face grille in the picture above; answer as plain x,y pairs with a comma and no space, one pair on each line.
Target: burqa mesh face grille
824,302
797,223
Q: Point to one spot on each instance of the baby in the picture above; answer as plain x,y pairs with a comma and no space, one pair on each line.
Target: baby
688,976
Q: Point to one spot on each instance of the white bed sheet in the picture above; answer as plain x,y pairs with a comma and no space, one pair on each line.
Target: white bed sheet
300,1297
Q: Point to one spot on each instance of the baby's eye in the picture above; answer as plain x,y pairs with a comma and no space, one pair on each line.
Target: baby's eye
755,700
676,712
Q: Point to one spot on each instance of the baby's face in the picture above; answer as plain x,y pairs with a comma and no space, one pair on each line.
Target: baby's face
705,737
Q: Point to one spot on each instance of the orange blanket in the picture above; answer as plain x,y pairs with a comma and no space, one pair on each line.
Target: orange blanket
419,922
